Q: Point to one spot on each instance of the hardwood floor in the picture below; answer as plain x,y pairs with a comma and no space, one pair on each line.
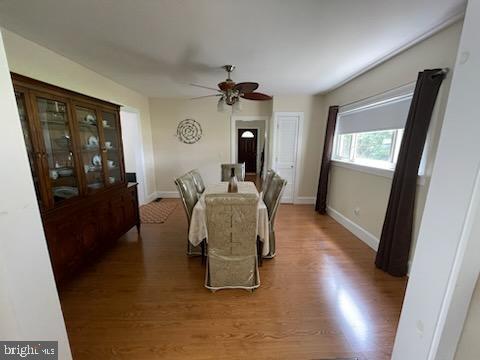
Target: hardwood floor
320,298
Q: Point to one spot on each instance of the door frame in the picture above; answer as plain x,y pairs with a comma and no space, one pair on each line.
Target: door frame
434,312
140,157
258,145
233,137
298,153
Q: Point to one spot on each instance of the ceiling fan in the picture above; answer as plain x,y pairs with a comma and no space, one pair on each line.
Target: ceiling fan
231,92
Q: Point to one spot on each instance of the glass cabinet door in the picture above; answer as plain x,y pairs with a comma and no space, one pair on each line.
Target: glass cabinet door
28,138
58,156
90,149
112,146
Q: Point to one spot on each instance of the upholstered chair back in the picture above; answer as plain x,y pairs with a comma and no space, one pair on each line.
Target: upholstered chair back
188,193
232,240
267,181
197,179
273,196
239,171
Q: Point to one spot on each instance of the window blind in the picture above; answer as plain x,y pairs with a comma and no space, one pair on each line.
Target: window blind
385,115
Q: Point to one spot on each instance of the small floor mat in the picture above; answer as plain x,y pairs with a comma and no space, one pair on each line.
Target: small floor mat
157,212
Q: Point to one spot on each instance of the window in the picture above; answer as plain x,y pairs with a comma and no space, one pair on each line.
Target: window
369,133
373,148
247,135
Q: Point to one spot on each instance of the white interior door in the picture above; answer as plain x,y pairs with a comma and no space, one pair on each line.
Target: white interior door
285,156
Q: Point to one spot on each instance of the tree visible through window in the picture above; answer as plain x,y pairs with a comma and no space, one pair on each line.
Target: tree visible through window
374,148
374,145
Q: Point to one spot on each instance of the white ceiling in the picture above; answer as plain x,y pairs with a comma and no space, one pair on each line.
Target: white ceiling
158,47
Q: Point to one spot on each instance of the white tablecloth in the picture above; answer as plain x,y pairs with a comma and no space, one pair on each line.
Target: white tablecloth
198,224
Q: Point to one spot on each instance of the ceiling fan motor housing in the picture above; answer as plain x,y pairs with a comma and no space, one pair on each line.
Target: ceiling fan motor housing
231,92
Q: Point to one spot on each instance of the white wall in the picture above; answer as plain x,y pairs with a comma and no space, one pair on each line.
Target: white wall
29,304
30,59
133,150
469,346
446,263
129,139
350,189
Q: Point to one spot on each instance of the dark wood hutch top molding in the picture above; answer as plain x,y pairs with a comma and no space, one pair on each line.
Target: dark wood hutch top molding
38,85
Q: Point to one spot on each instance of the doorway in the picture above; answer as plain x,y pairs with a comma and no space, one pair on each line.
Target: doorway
133,150
252,148
247,149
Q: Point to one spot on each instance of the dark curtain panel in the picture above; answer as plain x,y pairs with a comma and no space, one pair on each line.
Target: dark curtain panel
321,204
395,241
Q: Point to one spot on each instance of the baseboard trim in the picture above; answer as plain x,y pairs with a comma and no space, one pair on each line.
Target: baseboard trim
304,200
151,197
168,194
354,228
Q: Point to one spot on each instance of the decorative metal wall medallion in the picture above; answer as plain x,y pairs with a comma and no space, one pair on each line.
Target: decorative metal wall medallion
189,131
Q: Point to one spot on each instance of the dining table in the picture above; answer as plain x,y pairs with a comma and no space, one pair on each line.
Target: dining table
198,222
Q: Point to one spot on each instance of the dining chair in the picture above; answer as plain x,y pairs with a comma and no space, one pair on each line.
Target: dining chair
189,195
272,198
239,171
197,179
267,181
232,241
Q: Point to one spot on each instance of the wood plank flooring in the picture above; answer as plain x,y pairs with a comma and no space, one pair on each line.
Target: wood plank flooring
320,298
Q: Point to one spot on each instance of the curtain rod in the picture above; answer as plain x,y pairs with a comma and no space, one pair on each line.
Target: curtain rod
443,71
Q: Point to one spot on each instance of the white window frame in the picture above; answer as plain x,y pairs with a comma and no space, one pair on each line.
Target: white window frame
376,100
378,164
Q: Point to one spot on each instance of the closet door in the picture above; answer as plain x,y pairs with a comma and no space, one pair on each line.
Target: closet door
286,149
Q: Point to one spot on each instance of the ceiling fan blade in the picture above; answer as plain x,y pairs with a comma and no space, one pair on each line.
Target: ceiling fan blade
206,96
256,96
204,87
246,87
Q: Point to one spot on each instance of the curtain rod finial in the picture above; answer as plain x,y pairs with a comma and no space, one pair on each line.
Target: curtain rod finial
442,72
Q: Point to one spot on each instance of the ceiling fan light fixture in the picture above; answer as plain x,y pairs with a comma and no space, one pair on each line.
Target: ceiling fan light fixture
237,106
221,105
230,92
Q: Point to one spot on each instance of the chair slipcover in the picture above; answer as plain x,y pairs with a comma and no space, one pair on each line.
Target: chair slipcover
189,195
239,171
267,181
232,241
197,179
271,198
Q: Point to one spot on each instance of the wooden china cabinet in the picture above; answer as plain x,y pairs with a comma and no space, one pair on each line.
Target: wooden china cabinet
74,146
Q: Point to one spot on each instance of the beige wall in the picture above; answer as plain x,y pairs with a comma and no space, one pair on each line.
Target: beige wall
29,59
173,158
313,135
350,189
